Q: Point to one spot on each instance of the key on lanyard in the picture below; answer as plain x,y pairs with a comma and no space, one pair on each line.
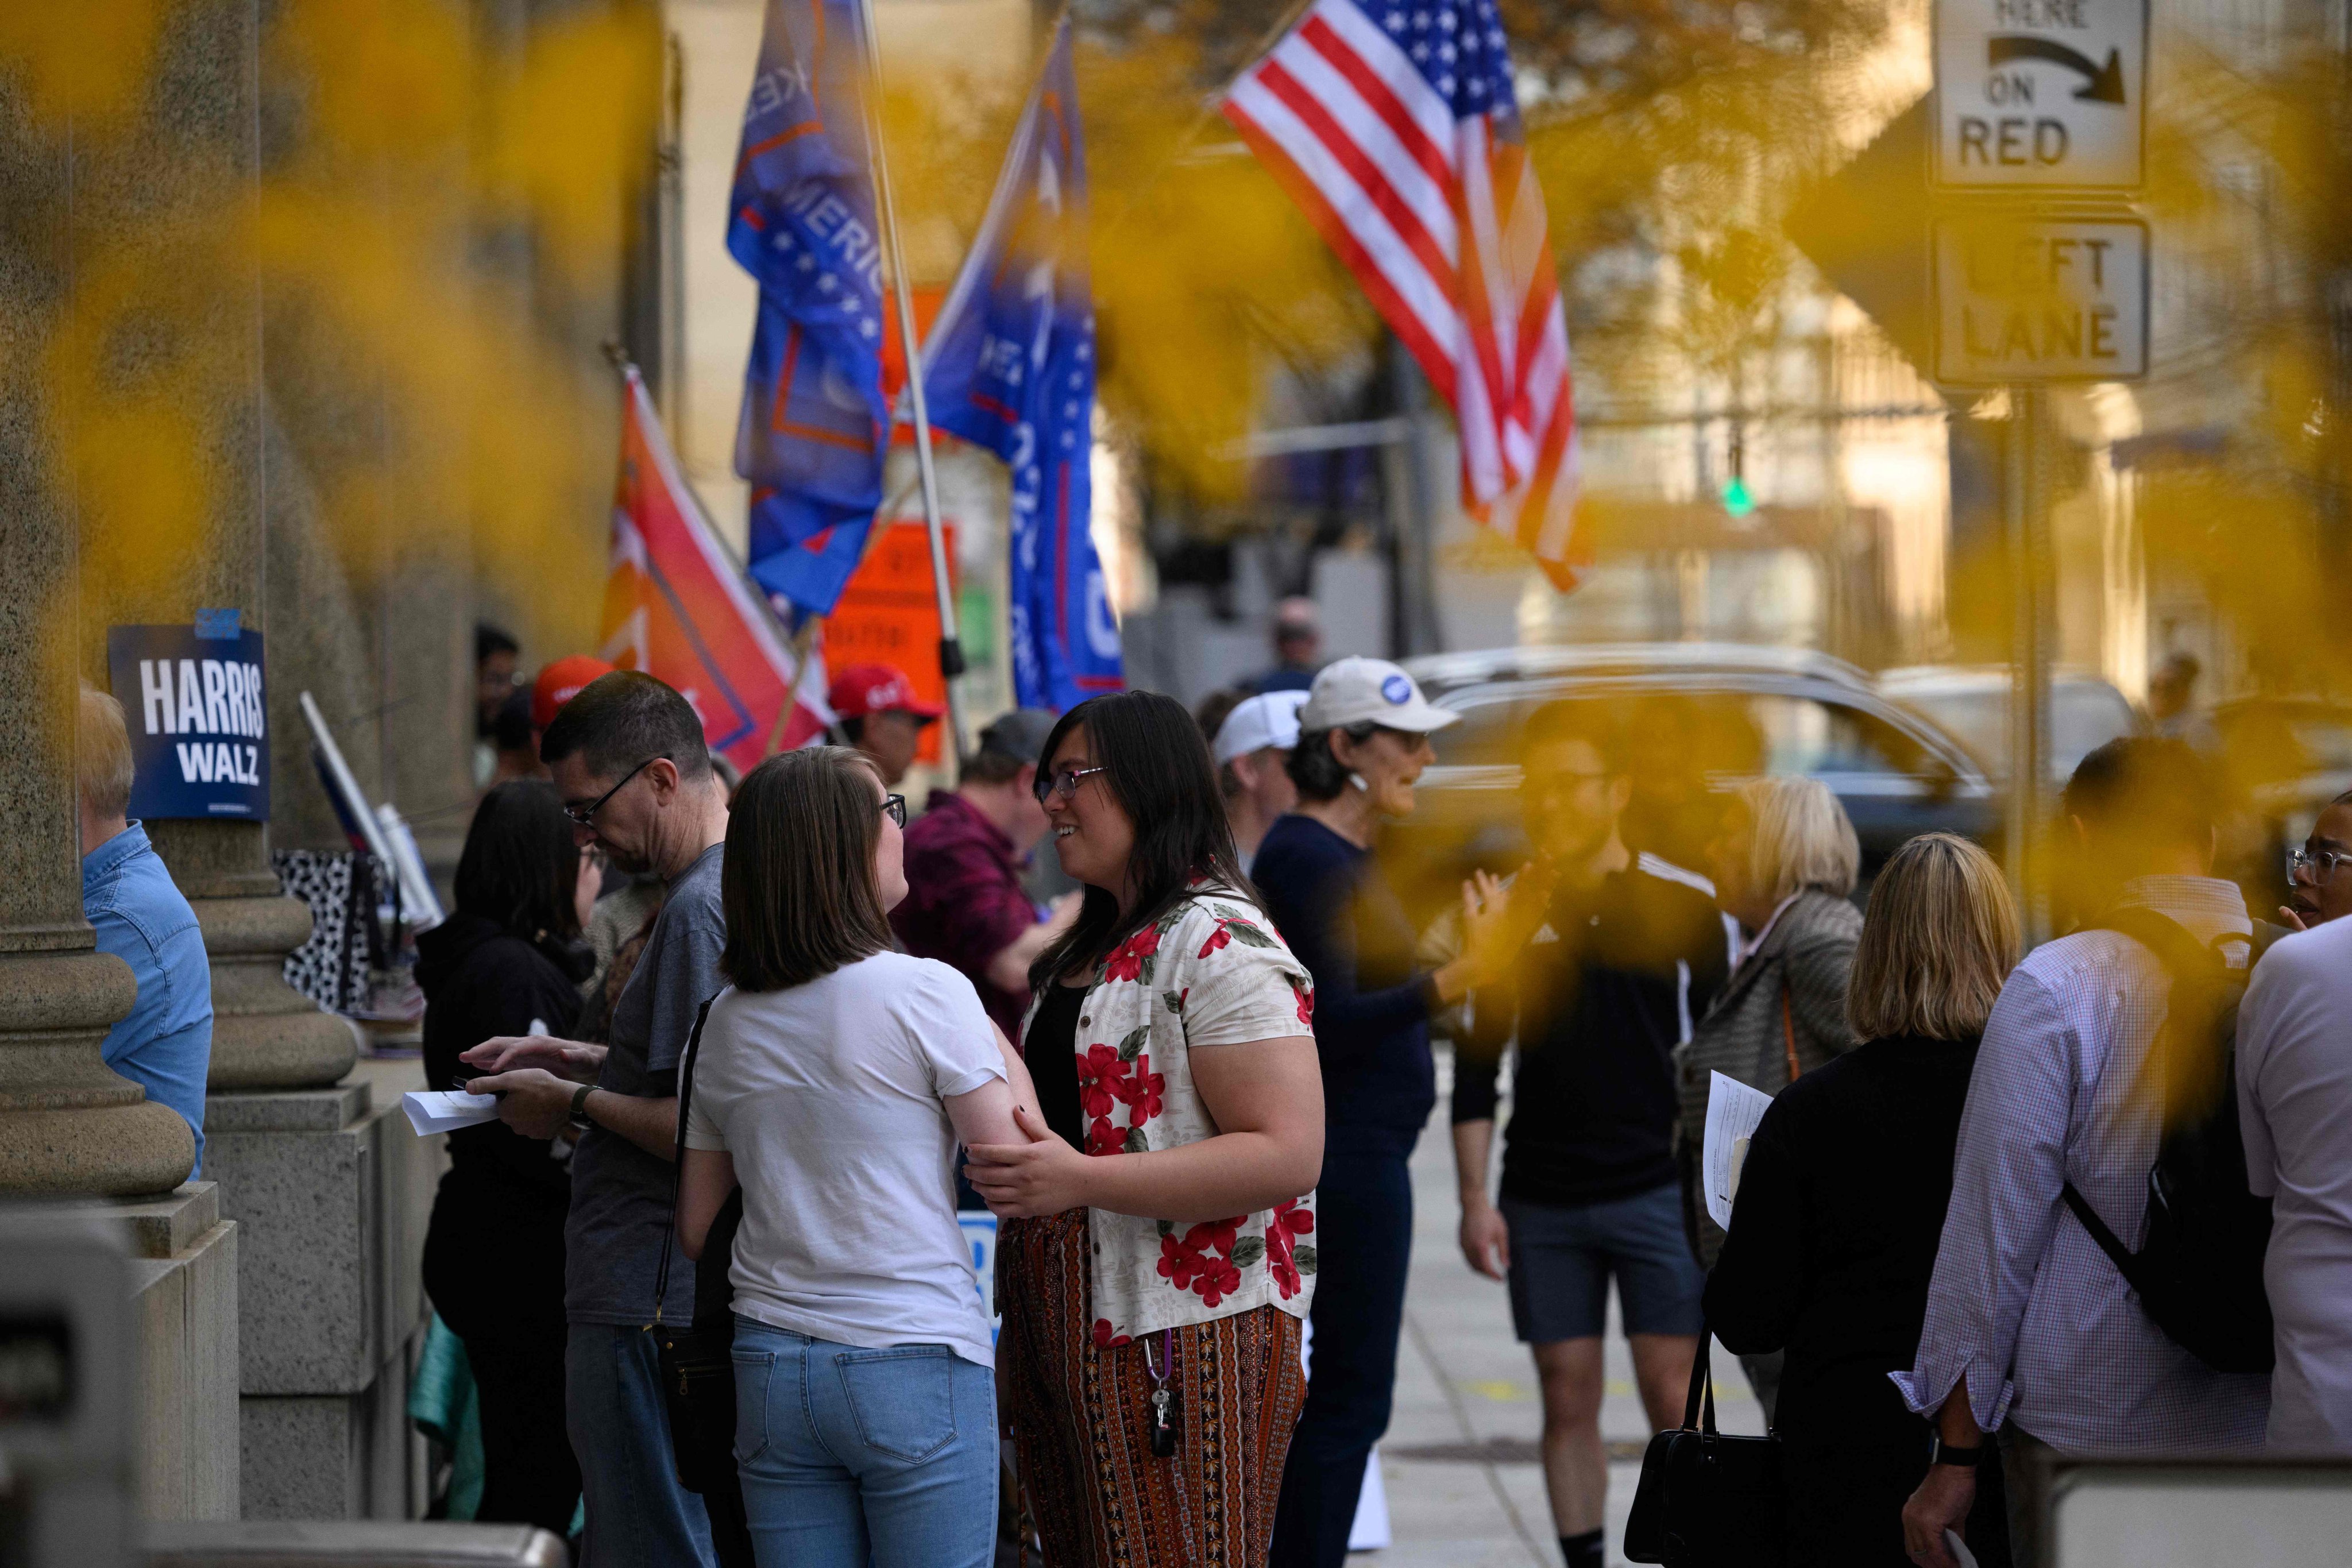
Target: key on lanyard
1165,1407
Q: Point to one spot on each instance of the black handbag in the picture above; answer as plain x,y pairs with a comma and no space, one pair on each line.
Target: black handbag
1706,1500
698,1366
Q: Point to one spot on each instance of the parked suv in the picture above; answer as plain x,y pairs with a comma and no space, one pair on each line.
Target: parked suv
1700,717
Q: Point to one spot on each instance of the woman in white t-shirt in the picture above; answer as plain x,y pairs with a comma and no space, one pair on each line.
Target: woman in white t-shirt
835,1080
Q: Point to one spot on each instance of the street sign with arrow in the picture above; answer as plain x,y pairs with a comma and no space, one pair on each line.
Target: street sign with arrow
2040,94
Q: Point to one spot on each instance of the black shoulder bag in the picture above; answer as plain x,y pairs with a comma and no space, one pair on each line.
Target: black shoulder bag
698,1368
1707,1501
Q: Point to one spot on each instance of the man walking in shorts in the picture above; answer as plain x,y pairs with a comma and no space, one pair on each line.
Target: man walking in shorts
1632,951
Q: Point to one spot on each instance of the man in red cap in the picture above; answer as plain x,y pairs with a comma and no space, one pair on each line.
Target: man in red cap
881,716
557,684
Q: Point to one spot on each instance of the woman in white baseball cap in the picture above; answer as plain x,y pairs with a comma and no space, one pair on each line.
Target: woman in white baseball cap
1363,741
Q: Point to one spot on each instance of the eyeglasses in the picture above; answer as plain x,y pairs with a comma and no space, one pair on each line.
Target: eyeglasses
1065,784
586,815
2320,863
894,806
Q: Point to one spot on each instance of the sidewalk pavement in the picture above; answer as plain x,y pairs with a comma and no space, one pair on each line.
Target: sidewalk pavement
1464,1488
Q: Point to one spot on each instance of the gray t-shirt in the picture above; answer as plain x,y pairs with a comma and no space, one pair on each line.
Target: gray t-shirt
620,1193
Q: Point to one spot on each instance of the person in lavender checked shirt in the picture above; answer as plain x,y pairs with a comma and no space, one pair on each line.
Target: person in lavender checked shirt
2030,1330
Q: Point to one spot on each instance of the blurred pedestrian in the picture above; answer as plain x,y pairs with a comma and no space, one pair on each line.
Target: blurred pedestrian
1152,1286
496,655
506,961
2031,1329
515,743
1363,741
2318,891
833,1083
2172,704
1211,710
1297,648
1252,749
880,715
635,776
2294,1103
1629,949
1783,864
1840,1201
965,857
165,1044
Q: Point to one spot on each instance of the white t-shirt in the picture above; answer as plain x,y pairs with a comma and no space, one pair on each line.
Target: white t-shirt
830,1097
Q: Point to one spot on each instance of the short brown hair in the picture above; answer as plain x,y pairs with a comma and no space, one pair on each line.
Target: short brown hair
102,768
798,886
1939,937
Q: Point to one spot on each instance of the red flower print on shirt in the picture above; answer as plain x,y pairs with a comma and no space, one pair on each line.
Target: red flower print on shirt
1217,938
1102,1080
1142,1091
1287,1221
1132,959
1104,1339
1304,991
1102,1138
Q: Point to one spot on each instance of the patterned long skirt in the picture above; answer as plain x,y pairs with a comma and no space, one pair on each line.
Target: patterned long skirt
1079,1415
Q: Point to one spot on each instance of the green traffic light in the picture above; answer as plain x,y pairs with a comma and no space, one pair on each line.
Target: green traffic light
1736,499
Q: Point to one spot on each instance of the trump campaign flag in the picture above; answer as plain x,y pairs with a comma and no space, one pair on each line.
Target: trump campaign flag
1010,365
814,427
676,608
1394,126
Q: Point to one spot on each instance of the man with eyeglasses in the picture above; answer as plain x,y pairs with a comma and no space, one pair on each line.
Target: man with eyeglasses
628,759
2318,891
1631,951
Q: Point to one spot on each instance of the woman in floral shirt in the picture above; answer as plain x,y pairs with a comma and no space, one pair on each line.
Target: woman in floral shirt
1159,1252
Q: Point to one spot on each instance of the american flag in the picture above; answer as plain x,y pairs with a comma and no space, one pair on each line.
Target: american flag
1394,126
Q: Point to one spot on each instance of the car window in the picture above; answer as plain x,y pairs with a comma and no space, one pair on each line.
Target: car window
1703,735
2083,716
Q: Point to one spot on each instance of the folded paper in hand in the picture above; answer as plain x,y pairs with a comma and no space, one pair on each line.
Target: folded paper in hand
437,1110
1733,1110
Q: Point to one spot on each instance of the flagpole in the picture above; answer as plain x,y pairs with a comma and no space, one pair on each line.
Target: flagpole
950,645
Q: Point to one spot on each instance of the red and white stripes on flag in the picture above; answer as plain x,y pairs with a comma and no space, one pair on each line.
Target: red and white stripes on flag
1391,125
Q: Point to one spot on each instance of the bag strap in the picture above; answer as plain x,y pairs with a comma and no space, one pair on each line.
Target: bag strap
678,1158
2127,1261
1788,1032
1698,1410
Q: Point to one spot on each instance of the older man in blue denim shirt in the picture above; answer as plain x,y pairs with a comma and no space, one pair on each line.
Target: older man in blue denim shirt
166,1042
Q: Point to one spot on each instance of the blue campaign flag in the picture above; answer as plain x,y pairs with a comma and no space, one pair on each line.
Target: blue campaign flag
1010,365
805,551
801,220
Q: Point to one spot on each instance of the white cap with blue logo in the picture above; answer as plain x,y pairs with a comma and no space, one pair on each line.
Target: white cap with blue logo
1360,690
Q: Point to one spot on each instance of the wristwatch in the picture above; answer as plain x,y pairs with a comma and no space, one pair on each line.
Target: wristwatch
1942,1453
579,1105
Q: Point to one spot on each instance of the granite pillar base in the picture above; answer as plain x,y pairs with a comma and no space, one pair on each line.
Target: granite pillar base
333,1191
70,1125
183,1293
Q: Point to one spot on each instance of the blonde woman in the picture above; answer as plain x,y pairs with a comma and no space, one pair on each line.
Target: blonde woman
1784,862
1841,1204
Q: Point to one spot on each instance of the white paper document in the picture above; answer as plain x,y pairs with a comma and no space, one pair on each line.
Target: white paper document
1733,1110
440,1111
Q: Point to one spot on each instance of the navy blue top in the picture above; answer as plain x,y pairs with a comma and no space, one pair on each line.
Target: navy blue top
1334,906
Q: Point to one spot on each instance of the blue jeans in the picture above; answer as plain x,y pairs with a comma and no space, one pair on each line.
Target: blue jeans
854,1456
638,1516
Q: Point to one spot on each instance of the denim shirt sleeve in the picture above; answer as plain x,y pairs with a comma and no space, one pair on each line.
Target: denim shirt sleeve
2006,1181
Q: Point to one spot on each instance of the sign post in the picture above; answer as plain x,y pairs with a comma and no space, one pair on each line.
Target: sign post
2041,276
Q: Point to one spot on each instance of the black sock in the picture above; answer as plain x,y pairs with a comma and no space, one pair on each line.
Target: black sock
1581,1551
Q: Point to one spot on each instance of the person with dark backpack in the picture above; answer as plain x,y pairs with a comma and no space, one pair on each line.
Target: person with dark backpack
2100,1098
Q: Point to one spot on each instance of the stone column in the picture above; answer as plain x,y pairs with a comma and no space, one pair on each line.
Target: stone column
66,1124
191,166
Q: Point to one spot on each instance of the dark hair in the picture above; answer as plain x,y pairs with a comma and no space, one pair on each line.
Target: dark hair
797,887
2153,789
621,719
1319,775
521,865
512,729
1156,766
1216,708
987,765
488,639
1567,719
